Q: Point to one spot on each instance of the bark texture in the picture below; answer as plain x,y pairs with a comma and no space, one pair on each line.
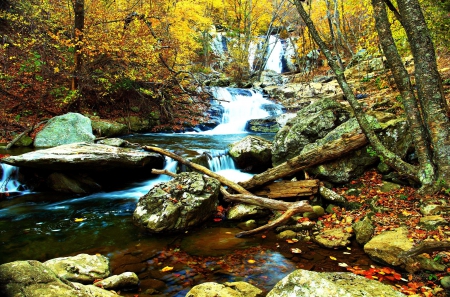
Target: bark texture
403,82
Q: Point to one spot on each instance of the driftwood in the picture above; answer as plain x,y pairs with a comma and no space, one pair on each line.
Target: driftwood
27,131
426,247
286,189
315,156
200,168
290,208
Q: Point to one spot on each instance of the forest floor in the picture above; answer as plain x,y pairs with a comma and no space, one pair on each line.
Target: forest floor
27,105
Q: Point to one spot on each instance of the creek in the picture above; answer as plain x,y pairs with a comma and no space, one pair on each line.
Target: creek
41,226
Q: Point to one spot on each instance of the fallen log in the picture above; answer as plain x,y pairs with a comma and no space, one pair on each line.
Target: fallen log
329,151
26,132
290,208
199,168
287,189
426,247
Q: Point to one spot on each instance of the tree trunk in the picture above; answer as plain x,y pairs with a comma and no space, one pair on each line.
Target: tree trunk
429,85
389,158
286,189
403,82
78,7
329,151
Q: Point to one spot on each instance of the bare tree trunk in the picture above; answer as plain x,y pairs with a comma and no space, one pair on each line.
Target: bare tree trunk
403,82
429,85
389,158
78,7
329,151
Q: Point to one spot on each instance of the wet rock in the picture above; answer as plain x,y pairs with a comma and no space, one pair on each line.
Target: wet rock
103,128
432,222
178,205
86,156
310,124
386,247
34,279
247,225
252,151
72,183
24,141
243,211
333,238
288,234
330,284
65,129
431,209
388,186
118,142
234,289
266,125
82,268
363,230
126,280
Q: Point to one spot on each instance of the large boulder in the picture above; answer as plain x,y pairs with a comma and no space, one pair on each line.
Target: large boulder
393,134
330,284
34,279
103,128
65,129
311,123
82,268
252,152
86,157
177,205
232,289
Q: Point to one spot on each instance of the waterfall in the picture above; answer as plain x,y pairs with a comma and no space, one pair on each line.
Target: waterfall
222,163
9,181
240,106
276,52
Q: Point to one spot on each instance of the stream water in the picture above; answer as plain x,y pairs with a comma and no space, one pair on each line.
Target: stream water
42,226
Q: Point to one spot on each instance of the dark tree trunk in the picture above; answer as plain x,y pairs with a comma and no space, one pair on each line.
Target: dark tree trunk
403,82
429,85
78,7
389,158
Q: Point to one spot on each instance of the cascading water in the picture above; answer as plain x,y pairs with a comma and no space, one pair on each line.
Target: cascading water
221,163
9,182
274,61
240,106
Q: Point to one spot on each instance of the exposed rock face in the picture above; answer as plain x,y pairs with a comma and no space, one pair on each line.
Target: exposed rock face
234,289
126,280
34,279
386,247
330,284
252,152
65,129
184,202
82,268
363,230
86,156
103,128
311,123
73,183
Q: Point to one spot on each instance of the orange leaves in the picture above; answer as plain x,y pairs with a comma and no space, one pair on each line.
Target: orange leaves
377,273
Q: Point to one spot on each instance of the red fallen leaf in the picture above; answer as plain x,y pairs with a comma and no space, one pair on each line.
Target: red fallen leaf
220,208
217,219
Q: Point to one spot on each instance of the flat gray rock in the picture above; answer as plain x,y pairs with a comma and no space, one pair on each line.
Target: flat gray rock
86,156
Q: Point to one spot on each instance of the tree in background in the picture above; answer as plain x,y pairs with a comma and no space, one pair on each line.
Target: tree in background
426,113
